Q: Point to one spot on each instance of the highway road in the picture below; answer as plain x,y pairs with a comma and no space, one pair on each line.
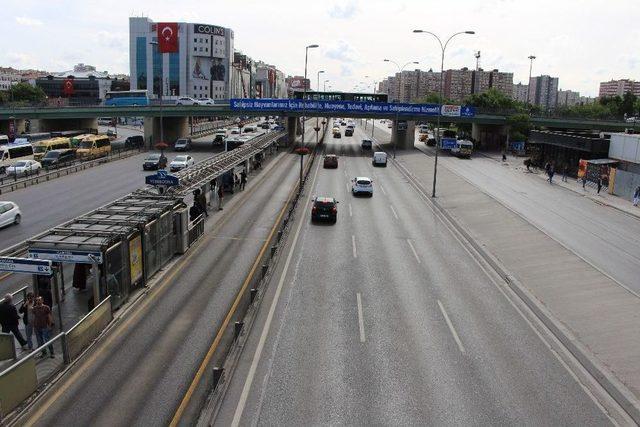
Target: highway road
139,373
604,236
385,319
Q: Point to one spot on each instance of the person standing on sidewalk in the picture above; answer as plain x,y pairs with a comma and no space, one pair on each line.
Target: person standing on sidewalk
243,179
27,318
599,184
42,324
10,320
565,172
584,181
220,197
636,196
551,173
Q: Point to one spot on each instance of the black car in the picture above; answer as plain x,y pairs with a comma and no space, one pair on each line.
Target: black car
56,158
134,141
324,209
154,161
348,131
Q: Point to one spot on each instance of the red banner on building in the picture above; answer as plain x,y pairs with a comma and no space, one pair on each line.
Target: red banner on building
67,87
167,37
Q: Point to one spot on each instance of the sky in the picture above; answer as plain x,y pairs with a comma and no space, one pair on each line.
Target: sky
583,42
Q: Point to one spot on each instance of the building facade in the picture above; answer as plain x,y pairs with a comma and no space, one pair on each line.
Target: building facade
8,78
80,86
619,88
458,84
201,68
568,98
494,79
520,92
543,91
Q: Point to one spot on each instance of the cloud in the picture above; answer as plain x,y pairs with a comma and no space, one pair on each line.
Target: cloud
112,40
346,11
341,51
345,71
29,22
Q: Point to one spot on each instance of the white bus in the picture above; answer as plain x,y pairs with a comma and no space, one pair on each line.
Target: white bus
14,152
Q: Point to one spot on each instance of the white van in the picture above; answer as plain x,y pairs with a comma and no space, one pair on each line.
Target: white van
12,153
379,159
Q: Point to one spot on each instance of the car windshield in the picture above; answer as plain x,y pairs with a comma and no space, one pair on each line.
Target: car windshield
39,148
153,157
181,142
52,155
181,159
21,164
86,144
363,182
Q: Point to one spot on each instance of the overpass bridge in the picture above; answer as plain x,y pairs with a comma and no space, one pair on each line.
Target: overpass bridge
175,117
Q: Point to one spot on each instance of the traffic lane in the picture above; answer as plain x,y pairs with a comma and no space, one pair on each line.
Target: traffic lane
337,378
167,336
54,202
602,235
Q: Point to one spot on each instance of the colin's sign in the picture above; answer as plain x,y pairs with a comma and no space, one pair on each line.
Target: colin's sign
208,29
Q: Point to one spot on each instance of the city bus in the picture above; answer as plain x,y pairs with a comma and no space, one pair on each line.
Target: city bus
32,137
126,98
14,152
94,146
41,148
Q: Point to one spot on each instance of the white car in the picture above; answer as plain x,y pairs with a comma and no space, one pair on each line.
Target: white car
181,162
186,100
362,185
205,101
9,214
379,159
24,167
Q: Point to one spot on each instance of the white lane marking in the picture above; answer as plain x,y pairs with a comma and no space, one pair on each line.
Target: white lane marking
347,185
451,328
393,211
360,318
267,325
353,243
413,249
382,188
350,210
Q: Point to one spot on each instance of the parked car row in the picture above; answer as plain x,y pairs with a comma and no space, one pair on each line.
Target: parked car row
155,161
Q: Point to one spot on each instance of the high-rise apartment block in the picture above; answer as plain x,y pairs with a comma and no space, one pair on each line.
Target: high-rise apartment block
619,88
543,91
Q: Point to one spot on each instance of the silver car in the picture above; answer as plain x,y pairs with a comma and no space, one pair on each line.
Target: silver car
9,214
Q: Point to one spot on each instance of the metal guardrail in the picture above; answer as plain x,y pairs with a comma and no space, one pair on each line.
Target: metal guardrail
196,229
12,184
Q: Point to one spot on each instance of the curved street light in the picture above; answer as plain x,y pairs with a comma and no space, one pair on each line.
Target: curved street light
443,47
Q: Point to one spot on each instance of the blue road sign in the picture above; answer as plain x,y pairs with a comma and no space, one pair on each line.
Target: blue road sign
26,265
162,177
346,107
448,143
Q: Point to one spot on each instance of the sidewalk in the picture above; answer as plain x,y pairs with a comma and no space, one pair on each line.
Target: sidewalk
572,184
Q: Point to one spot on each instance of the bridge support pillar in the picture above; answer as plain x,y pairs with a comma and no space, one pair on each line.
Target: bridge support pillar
48,125
405,135
173,128
292,130
489,137
20,126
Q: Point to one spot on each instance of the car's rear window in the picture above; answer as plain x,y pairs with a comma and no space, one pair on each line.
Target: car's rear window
363,182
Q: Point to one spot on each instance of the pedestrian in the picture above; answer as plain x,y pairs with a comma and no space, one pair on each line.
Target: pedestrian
584,181
504,157
565,172
42,324
220,197
10,320
636,196
551,173
243,179
201,200
599,184
27,318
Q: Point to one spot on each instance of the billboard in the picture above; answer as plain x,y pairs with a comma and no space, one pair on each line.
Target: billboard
297,83
208,29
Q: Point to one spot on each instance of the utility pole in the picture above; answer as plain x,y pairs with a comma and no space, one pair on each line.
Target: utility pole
531,58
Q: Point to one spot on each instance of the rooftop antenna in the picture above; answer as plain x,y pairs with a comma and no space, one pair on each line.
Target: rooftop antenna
477,55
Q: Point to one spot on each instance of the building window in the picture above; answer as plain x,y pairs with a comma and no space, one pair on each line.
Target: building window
195,88
195,40
206,49
195,49
141,62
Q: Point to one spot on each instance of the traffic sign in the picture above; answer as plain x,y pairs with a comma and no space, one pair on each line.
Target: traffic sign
162,177
26,265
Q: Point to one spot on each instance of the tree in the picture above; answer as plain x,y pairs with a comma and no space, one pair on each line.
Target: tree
26,92
434,98
491,100
519,126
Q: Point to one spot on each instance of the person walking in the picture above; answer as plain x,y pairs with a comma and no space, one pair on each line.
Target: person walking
201,200
10,320
42,324
636,196
599,184
565,172
27,318
220,197
551,173
584,181
243,179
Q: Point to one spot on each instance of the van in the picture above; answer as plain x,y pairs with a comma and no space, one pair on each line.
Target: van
12,153
56,158
41,148
134,141
76,140
379,159
94,146
4,139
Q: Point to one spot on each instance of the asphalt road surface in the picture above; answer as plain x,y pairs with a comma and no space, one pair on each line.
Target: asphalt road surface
385,319
604,236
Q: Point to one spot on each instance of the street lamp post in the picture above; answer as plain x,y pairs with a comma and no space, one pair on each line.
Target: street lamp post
317,128
400,70
304,94
531,58
324,89
443,47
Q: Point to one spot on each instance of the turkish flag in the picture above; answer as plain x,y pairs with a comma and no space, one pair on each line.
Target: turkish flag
67,87
167,37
